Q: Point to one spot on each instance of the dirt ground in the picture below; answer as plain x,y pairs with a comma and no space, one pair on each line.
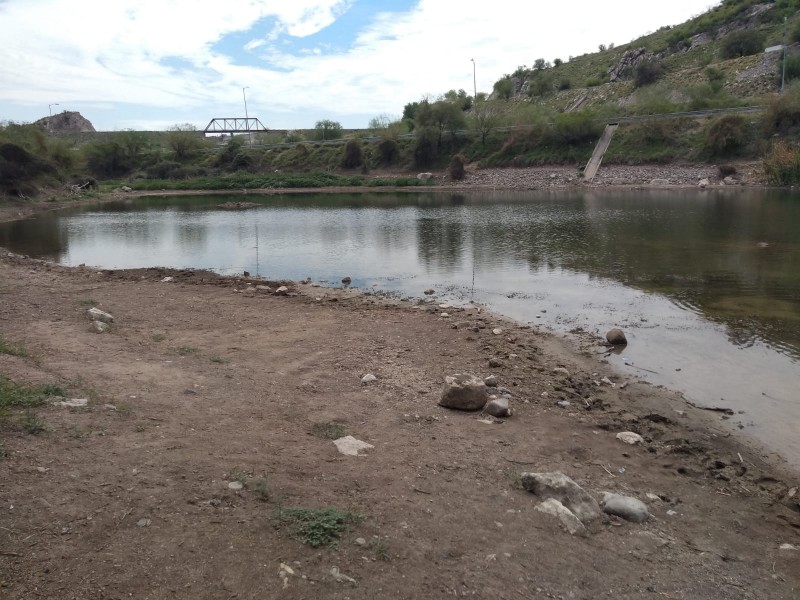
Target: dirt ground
197,385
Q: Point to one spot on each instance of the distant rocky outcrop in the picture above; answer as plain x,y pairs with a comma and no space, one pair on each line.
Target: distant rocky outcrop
66,122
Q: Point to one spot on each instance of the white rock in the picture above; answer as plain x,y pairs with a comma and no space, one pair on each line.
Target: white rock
99,327
341,577
630,437
235,485
74,403
788,547
368,378
95,314
350,446
560,487
703,183
281,291
445,315
143,522
568,520
424,176
626,507
166,280
497,331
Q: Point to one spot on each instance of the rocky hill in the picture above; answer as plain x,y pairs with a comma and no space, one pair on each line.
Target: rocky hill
66,122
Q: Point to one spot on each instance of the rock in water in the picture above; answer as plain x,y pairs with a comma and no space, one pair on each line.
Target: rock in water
498,407
570,522
626,507
346,281
429,292
562,488
616,337
464,392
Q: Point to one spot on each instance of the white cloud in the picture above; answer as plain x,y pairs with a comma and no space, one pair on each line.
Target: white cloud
122,51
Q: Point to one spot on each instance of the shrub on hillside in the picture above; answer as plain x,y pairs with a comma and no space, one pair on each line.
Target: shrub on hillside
726,135
792,68
108,159
647,72
576,128
783,112
425,148
388,151
593,82
781,165
742,43
564,84
353,155
456,167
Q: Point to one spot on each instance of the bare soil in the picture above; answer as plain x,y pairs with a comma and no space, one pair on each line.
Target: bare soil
198,385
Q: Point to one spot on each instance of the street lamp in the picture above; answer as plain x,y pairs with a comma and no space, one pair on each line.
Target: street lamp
474,82
246,117
783,73
50,108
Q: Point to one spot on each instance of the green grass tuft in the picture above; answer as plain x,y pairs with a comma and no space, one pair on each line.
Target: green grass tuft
328,430
12,349
316,526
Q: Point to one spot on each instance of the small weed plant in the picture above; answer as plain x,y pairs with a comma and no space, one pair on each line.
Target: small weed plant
316,527
187,350
12,349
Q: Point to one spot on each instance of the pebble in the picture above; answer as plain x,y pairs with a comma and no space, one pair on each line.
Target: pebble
564,403
281,291
235,485
491,381
143,522
361,542
497,331
350,446
561,370
369,377
788,547
495,362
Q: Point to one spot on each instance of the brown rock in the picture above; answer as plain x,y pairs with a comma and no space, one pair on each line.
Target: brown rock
616,337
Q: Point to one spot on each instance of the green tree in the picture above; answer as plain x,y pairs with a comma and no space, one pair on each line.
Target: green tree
485,116
648,71
185,141
327,130
743,42
504,88
446,116
353,155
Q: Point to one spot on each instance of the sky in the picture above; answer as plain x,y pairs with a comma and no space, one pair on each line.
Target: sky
152,64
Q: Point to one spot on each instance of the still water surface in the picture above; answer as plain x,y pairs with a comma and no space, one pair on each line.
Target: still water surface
705,284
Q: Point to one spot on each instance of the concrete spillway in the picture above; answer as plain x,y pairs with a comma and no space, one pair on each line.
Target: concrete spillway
599,151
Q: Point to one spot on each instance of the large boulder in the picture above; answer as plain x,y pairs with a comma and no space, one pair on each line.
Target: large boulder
464,391
567,492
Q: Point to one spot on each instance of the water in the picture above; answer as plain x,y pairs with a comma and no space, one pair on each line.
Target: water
705,284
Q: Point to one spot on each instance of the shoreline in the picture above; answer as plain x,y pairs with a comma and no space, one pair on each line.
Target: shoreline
197,386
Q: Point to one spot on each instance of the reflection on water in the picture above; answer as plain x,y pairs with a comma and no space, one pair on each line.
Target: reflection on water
706,282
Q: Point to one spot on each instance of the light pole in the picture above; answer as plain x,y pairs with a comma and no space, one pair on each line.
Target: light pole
783,74
246,117
474,82
50,107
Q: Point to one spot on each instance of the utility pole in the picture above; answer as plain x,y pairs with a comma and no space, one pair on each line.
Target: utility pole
783,74
246,118
474,83
50,108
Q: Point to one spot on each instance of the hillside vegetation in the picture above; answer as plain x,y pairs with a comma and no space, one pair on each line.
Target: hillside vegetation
551,112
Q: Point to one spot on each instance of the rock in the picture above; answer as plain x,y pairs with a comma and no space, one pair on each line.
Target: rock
567,492
445,315
369,377
464,391
341,577
627,62
659,182
497,331
569,521
729,180
166,279
498,407
561,371
143,522
429,292
95,314
264,289
564,403
350,446
74,403
490,381
99,327
361,542
788,547
126,189
703,183
346,281
235,485
630,437
425,176
626,507
281,291
616,337
495,362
